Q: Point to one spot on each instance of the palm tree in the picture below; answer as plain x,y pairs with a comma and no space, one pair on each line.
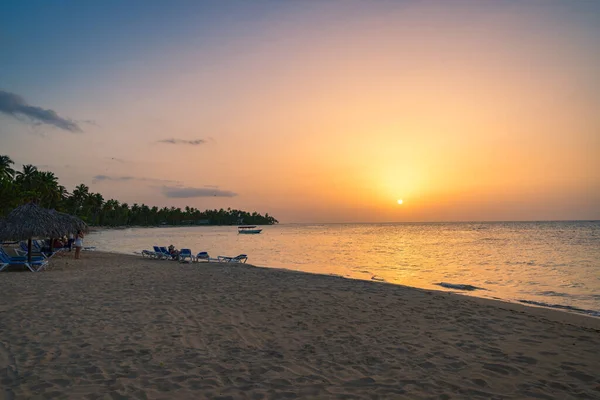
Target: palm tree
145,212
94,204
6,171
81,191
78,199
25,178
45,184
135,214
64,195
44,188
155,215
124,215
10,195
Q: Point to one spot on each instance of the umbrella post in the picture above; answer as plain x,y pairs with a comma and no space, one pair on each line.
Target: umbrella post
29,250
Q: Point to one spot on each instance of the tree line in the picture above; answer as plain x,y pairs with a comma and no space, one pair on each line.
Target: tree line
43,188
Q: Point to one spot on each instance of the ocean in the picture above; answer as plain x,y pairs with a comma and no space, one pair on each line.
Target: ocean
551,264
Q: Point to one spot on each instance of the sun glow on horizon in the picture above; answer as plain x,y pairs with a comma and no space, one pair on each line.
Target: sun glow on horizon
433,101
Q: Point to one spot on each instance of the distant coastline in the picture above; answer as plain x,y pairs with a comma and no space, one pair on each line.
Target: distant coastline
97,228
43,188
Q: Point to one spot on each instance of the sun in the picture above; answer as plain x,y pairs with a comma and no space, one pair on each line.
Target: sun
400,201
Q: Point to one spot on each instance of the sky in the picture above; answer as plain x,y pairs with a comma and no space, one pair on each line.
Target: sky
312,111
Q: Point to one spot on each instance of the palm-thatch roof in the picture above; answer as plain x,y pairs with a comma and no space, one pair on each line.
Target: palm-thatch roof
30,221
74,223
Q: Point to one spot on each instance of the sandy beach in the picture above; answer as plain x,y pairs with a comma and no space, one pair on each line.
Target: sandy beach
116,327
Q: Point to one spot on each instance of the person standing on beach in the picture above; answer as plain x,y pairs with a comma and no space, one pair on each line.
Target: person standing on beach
78,244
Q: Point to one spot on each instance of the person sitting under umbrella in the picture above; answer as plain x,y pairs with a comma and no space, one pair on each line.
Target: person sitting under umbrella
174,252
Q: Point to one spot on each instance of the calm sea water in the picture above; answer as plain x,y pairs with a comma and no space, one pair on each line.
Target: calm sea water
541,263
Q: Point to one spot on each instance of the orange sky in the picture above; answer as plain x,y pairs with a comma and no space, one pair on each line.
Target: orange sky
331,112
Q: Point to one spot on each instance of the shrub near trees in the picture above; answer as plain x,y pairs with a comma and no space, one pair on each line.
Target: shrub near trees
31,184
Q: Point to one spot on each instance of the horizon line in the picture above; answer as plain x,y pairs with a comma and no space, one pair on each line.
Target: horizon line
445,222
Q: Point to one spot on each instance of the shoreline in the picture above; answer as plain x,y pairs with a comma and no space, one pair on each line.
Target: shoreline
126,326
487,260
519,305
577,319
560,315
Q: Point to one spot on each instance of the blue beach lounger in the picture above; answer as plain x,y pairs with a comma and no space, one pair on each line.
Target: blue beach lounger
165,253
18,257
185,253
159,254
36,265
203,256
34,250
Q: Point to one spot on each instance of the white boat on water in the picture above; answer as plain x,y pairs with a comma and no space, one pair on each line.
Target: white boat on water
248,229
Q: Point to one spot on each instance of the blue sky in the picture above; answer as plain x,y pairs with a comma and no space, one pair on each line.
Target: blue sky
51,43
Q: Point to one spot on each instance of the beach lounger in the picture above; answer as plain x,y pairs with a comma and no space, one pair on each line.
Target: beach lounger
203,256
158,253
34,250
19,256
152,253
36,264
242,258
24,248
185,253
148,253
166,253
38,250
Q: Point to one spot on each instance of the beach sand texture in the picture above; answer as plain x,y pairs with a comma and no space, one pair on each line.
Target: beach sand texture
116,326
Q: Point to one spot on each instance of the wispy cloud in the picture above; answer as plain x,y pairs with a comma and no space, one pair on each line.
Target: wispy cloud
100,178
187,192
194,142
108,178
115,159
15,106
90,122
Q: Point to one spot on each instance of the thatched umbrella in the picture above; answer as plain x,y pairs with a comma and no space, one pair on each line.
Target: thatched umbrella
29,221
73,223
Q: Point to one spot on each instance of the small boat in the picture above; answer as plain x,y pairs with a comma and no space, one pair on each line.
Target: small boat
248,229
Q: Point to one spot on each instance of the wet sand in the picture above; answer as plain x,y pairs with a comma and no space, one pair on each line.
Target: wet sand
113,326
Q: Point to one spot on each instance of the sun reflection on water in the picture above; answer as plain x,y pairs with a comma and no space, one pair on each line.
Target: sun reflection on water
553,262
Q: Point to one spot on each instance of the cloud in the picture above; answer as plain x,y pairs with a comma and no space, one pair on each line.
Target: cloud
194,142
100,178
15,106
90,122
187,192
115,159
107,178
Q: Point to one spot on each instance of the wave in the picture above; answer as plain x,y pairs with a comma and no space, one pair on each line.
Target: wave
561,307
552,293
459,286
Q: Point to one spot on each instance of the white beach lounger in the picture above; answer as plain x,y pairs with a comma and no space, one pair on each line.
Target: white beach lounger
242,258
203,256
